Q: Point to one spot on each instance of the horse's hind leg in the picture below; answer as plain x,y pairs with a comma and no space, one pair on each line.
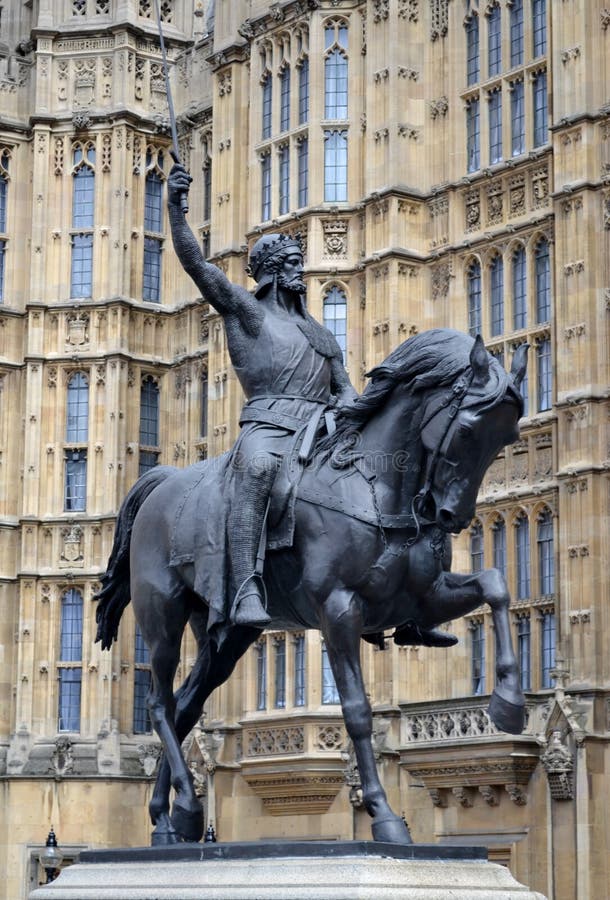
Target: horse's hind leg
342,627
454,596
212,668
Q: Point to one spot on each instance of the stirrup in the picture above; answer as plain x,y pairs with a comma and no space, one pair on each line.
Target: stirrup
249,605
411,635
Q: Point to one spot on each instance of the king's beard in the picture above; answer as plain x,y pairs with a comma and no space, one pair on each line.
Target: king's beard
291,284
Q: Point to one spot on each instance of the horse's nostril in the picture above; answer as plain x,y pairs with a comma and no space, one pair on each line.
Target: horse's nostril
445,518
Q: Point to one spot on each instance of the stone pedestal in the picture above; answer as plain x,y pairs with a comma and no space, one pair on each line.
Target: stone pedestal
320,870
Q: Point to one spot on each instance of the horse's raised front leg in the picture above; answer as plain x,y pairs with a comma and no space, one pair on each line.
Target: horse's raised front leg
342,628
454,596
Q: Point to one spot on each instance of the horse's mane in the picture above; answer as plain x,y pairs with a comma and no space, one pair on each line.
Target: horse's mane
426,361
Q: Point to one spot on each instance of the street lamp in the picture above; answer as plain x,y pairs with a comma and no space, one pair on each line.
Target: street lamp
51,857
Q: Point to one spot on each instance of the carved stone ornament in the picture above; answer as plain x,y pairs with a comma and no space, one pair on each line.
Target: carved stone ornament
559,766
62,758
335,237
149,755
72,554
77,329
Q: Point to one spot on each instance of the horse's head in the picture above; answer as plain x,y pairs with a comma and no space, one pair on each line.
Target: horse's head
463,430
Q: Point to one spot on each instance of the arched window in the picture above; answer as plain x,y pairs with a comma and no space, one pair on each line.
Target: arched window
335,316
284,195
524,389
476,548
70,661
330,694
524,651
477,657
474,299
494,104
149,424
539,27
499,545
541,109
77,432
285,99
303,91
141,685
267,108
299,670
335,166
83,195
519,289
543,281
546,560
472,50
4,169
494,41
517,117
153,226
516,33
280,673
473,134
547,648
497,296
261,674
335,71
545,374
203,425
522,557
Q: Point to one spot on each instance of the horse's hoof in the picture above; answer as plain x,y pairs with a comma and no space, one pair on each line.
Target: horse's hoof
392,830
162,837
188,822
506,716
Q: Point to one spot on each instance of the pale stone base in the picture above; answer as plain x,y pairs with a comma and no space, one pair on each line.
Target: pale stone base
328,876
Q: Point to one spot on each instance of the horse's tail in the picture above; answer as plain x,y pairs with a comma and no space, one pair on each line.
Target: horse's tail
114,594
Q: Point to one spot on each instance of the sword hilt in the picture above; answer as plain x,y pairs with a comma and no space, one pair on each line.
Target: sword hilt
184,204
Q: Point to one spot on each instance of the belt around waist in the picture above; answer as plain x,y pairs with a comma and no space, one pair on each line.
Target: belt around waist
269,417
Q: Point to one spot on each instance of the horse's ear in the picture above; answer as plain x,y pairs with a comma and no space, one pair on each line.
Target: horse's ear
519,364
479,360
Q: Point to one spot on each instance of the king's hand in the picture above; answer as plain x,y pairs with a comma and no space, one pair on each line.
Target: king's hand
178,185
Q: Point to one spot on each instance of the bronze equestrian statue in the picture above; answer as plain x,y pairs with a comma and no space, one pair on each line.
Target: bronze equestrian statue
355,518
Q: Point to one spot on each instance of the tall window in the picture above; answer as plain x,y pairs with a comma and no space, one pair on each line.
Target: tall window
547,649
266,187
477,657
476,548
141,685
299,670
517,118
524,651
497,296
541,105
546,560
284,198
494,42
81,273
70,670
4,169
204,388
207,189
335,166
495,126
303,171
474,299
473,135
330,694
539,27
267,105
261,675
335,71
472,50
519,289
285,99
545,375
153,226
522,557
499,545
516,33
149,424
304,91
77,435
280,674
543,282
335,316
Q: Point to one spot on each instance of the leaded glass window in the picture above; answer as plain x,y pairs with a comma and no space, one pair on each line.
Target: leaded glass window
473,135
474,299
497,296
522,558
261,675
267,106
519,289
541,104
499,545
335,316
472,50
477,657
204,386
77,412
524,651
330,693
83,200
476,548
495,126
304,91
543,282
545,376
303,172
284,198
517,118
266,187
285,100
335,166
547,649
280,674
539,27
153,226
299,671
546,559
335,72
516,33
494,41
149,424
141,685
70,652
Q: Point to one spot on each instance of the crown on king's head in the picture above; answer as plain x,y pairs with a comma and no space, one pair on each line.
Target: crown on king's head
271,246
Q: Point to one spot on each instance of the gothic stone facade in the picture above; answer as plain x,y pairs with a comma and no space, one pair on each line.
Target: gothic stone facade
447,163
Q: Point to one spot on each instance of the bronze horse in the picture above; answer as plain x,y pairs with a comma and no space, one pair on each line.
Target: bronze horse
371,551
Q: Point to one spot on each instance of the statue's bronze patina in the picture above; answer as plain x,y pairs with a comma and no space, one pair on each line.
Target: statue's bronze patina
352,498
